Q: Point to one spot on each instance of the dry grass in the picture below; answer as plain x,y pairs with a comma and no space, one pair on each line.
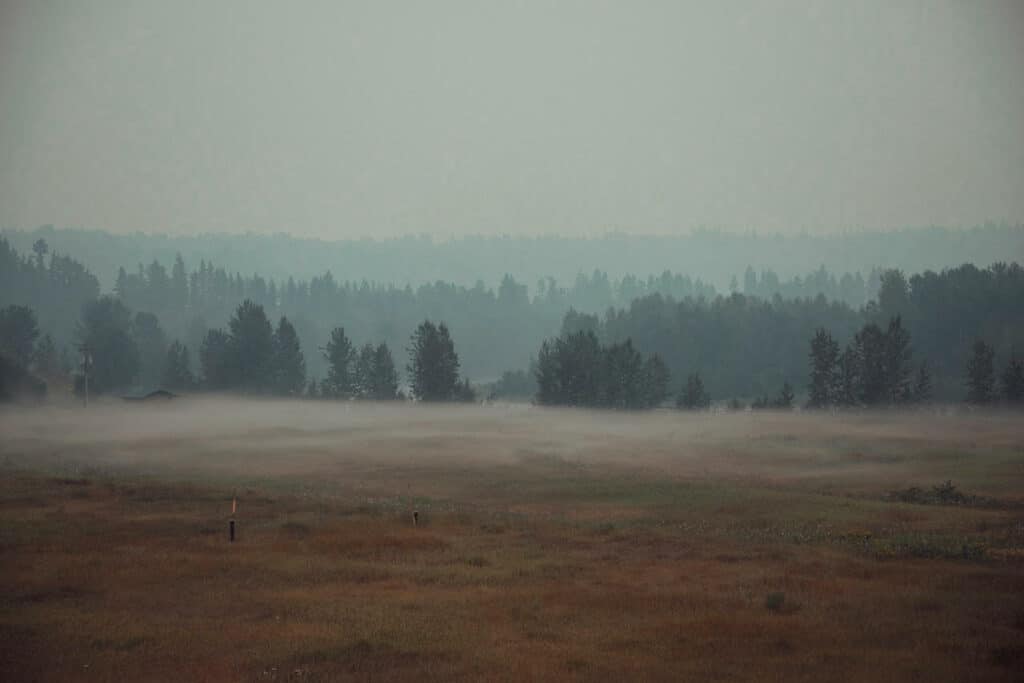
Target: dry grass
553,545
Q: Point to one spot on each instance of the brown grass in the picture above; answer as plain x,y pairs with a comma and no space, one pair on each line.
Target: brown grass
553,545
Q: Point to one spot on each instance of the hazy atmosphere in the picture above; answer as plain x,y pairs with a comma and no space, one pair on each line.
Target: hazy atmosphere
348,119
519,341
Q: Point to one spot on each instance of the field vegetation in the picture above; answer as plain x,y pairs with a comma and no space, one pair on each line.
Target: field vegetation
552,544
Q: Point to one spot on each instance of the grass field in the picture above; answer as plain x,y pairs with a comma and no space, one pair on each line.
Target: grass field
552,545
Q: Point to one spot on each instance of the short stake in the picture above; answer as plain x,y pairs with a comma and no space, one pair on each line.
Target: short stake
231,531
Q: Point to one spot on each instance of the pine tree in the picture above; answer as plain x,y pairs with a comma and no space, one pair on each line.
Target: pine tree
623,377
693,395
289,365
980,374
177,375
385,376
923,384
870,344
824,356
1013,381
363,373
216,361
433,364
547,374
848,385
897,362
341,356
252,347
656,378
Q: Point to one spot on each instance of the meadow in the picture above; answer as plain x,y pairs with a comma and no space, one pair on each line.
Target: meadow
550,544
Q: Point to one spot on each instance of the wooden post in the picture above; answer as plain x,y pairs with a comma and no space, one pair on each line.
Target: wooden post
231,531
415,518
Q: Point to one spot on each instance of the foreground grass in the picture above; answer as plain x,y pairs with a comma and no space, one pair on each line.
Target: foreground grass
539,559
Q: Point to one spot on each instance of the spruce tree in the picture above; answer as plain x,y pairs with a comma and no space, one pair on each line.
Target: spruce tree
656,378
177,375
341,357
252,348
693,395
289,365
923,384
824,356
433,364
897,362
980,374
1013,381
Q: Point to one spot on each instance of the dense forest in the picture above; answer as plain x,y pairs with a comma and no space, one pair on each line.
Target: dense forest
743,345
714,257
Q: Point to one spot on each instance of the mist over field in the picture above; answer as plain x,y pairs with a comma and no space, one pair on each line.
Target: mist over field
565,340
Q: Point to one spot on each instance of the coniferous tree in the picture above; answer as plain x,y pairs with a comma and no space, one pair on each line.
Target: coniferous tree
623,377
824,356
18,333
870,344
693,395
106,331
152,344
383,385
311,389
177,373
923,384
433,364
848,388
656,378
897,362
980,374
341,356
216,361
548,375
46,360
252,347
1013,381
289,365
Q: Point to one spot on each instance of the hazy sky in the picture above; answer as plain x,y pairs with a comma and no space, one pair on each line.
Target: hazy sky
344,119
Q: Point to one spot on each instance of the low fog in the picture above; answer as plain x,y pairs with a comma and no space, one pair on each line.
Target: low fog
459,452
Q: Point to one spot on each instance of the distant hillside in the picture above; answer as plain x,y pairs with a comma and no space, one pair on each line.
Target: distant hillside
714,257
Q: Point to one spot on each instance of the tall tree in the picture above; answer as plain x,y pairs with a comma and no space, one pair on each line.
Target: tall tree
252,347
656,378
433,363
848,386
897,362
376,376
18,333
824,356
1013,381
152,344
871,344
341,357
217,361
547,373
289,365
177,373
693,395
106,331
923,384
623,377
981,374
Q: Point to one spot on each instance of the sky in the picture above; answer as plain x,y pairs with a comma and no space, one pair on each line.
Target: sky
351,119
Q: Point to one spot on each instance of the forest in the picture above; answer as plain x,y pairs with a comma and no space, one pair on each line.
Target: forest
174,326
